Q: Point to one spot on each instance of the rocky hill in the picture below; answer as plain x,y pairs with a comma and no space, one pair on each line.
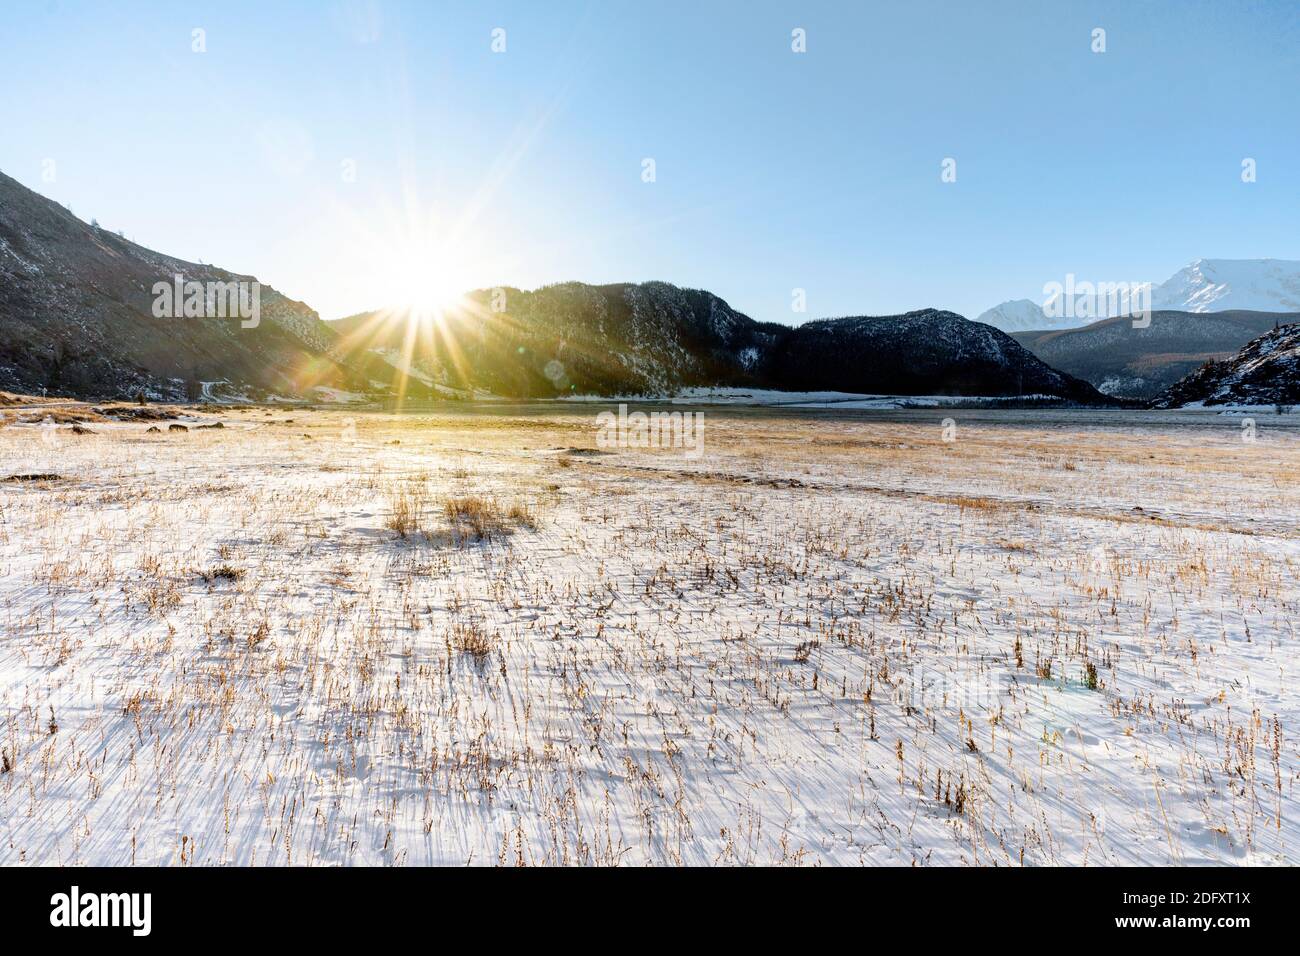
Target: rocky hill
1265,372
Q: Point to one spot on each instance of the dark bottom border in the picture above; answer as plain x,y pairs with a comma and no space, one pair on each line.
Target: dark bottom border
340,907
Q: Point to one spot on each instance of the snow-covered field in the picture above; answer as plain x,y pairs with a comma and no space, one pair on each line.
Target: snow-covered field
769,396
335,637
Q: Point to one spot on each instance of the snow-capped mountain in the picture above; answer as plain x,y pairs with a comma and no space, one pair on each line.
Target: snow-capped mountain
1218,285
1265,372
1019,315
1054,313
1206,285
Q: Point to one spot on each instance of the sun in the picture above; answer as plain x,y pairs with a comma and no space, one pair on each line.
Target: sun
422,269
425,294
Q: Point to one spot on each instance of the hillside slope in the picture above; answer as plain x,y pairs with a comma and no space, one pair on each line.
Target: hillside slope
1265,372
76,317
1140,362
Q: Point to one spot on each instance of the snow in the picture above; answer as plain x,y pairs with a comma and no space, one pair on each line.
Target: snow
402,363
1234,408
1121,386
1204,285
824,641
923,401
1217,285
764,397
768,396
336,396
1023,315
725,396
760,396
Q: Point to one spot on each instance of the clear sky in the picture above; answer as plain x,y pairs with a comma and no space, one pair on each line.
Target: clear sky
774,170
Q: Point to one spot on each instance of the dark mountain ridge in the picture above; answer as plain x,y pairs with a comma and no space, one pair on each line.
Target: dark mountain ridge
923,352
653,338
77,317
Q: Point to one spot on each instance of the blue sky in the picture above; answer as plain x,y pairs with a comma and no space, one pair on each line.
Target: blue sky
773,170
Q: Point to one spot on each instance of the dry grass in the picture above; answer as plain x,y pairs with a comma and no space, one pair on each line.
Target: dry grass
469,518
470,638
9,398
72,415
520,513
37,476
223,572
475,518
408,507
969,503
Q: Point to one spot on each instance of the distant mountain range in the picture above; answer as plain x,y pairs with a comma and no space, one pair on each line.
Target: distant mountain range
1206,285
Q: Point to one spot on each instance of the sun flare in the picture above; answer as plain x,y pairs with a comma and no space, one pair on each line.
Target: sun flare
426,296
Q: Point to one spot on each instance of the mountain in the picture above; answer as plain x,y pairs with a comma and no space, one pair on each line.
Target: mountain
1056,312
77,318
1265,372
1122,360
1220,285
654,338
572,337
80,315
1023,315
1205,285
926,352
1018,315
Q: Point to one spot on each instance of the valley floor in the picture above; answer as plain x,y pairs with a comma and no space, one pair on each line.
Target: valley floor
316,637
